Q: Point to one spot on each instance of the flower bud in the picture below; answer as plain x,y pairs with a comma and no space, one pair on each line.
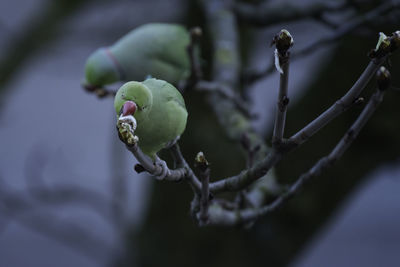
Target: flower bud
201,161
383,78
283,41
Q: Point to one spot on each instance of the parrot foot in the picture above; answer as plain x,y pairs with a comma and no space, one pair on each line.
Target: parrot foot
164,169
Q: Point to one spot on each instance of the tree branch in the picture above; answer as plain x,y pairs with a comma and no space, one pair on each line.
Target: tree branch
195,69
154,169
345,29
220,216
190,176
283,42
204,169
246,177
340,106
224,37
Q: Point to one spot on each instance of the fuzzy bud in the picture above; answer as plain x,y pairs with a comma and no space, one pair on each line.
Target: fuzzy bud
283,41
383,78
201,161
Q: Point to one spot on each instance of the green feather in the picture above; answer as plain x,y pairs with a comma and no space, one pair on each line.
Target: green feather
156,49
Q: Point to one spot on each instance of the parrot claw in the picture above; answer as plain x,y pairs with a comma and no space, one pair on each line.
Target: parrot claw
164,169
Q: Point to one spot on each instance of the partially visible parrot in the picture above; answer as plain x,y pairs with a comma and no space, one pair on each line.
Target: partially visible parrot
159,111
157,49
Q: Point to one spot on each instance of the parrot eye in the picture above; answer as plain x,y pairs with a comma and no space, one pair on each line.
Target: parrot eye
129,108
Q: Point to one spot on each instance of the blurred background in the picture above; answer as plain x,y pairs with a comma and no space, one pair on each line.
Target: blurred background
69,195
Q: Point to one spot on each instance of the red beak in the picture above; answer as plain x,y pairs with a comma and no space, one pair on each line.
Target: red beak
128,108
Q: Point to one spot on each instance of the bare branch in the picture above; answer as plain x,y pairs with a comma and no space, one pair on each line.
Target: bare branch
250,150
195,69
154,169
340,106
219,216
246,177
349,27
204,168
346,28
190,176
283,42
224,36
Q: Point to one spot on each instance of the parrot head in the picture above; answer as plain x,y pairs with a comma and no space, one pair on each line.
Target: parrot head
133,98
101,68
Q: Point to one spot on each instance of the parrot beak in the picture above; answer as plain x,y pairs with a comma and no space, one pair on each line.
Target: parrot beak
129,108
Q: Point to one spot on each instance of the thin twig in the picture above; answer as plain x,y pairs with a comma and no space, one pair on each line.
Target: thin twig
346,28
181,162
195,69
155,169
283,42
251,151
340,106
127,136
204,169
262,167
220,216
283,101
246,177
329,160
223,31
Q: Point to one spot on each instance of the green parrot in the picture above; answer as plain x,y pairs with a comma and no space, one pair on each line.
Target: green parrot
159,112
155,49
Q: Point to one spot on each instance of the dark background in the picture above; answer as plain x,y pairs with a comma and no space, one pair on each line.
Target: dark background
53,134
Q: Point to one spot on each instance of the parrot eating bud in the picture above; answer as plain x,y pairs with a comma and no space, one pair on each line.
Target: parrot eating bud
154,112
